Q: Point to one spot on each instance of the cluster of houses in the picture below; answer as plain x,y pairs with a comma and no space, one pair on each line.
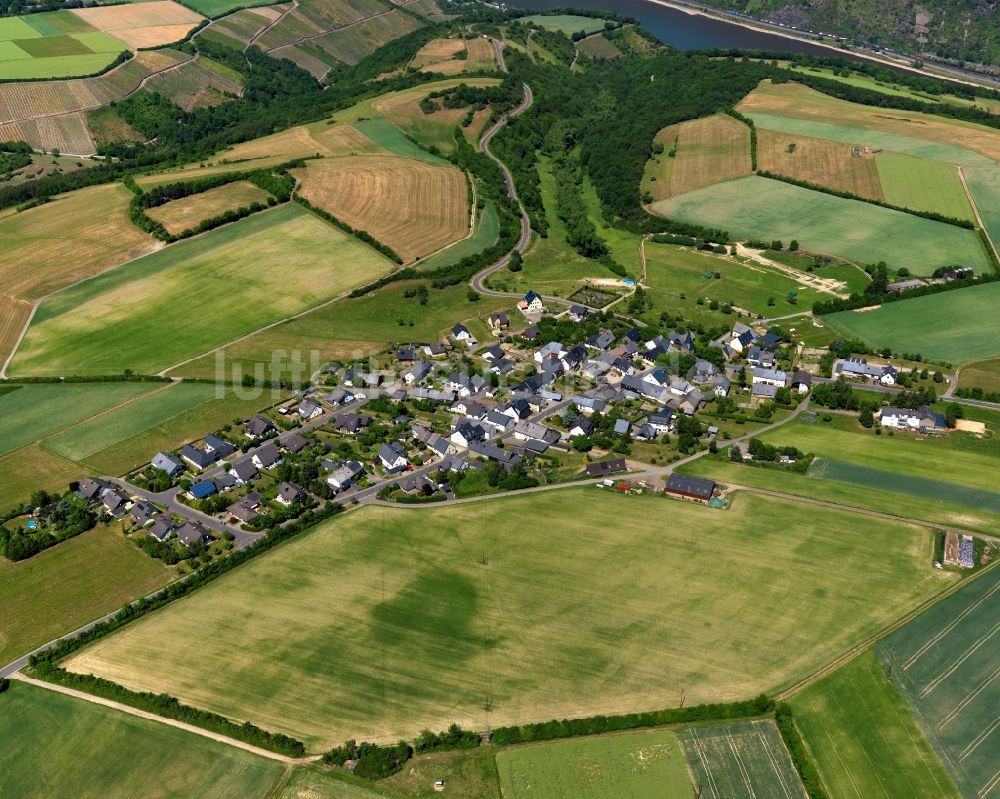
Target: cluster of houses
860,368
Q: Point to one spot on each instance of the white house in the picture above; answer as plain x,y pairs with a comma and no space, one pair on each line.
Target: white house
768,377
920,419
532,303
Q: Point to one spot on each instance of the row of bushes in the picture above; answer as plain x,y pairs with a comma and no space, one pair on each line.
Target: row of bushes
595,725
45,664
978,393
797,750
375,762
847,195
753,134
126,377
362,235
863,300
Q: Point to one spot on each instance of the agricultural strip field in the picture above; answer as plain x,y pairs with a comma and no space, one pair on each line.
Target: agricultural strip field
29,469
102,431
97,751
438,55
415,207
386,136
333,642
52,45
984,185
758,208
645,765
923,185
708,150
794,108
71,238
314,17
955,326
353,43
744,759
33,412
486,234
864,739
70,584
820,161
139,25
185,213
194,86
195,295
565,23
945,664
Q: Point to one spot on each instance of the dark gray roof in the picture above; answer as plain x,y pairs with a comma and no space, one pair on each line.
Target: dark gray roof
296,442
690,486
601,468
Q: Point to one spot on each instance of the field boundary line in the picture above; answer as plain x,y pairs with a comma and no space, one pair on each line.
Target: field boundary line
744,774
132,711
765,741
699,749
836,749
974,745
933,684
979,219
948,627
964,703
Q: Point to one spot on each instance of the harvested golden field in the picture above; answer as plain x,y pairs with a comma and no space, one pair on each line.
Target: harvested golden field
75,236
481,54
708,150
180,215
413,206
13,314
826,163
436,51
793,100
143,24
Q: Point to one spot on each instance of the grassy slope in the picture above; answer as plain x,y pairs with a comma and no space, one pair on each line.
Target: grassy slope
56,745
33,412
565,23
486,234
923,185
196,294
954,326
981,374
984,184
864,739
382,647
71,584
640,765
756,208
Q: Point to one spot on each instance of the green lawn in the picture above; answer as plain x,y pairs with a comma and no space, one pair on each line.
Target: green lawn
864,739
759,208
923,185
56,745
743,759
643,765
71,584
893,142
954,326
945,664
565,23
195,295
984,184
376,626
486,235
35,411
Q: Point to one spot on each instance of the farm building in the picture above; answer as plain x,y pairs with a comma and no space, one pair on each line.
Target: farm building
695,488
604,468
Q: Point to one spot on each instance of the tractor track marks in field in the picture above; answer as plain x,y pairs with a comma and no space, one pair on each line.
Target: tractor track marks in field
949,627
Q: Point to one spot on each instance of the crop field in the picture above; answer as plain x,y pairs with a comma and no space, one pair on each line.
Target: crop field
486,234
983,374
984,185
215,8
758,208
75,236
307,55
386,136
945,664
52,45
70,584
195,295
29,469
438,55
955,326
794,108
68,134
139,25
332,642
414,207
672,271
194,86
351,44
820,161
565,23
744,759
88,755
13,316
923,185
35,411
709,150
644,765
864,739
241,26
180,215
101,431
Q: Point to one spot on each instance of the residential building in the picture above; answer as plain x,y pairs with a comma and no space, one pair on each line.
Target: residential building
393,457
168,463
531,304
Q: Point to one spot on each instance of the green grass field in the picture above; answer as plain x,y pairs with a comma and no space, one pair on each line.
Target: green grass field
983,374
31,468
195,295
744,759
35,411
71,584
953,326
386,135
984,184
52,45
759,208
893,142
91,750
643,765
863,738
945,664
216,8
486,235
323,640
923,185
565,23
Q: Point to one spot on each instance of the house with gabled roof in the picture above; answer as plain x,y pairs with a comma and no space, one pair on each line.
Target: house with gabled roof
498,322
393,457
289,494
162,528
532,303
142,513
167,462
200,459
309,409
345,475
295,443
267,456
244,471
191,533
259,426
